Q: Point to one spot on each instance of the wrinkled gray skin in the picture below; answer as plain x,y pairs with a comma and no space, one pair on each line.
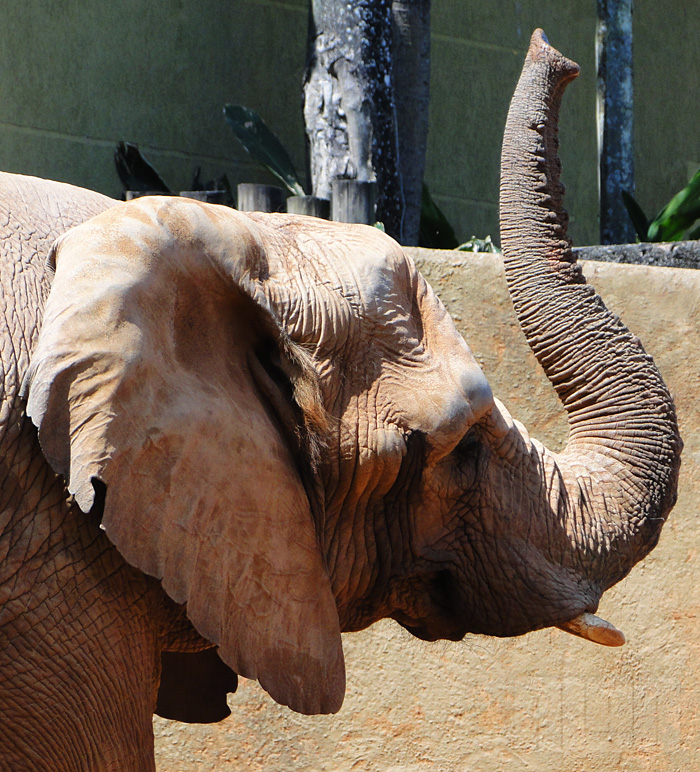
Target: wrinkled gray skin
384,480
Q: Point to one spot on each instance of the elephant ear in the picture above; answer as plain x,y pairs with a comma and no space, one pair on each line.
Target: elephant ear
153,375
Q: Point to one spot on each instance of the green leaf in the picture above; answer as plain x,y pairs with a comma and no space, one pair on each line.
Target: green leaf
263,145
694,235
135,172
639,219
678,215
479,245
435,231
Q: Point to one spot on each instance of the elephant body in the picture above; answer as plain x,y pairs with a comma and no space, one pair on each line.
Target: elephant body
78,626
226,438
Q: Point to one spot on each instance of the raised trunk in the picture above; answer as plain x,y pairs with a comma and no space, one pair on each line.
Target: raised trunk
621,416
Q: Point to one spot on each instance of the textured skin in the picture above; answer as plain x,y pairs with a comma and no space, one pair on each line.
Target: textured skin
296,441
54,563
173,392
621,416
52,625
80,630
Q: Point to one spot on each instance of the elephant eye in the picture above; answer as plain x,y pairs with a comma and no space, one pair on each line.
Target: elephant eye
467,447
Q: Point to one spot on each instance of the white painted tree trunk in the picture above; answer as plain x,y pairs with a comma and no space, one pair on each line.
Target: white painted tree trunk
357,102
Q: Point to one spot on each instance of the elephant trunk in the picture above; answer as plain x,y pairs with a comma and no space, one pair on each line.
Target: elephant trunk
621,416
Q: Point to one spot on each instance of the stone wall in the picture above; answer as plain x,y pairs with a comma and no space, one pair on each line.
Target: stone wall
546,701
675,254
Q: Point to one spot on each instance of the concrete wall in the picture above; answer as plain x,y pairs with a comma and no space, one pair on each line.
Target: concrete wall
477,55
77,77
546,701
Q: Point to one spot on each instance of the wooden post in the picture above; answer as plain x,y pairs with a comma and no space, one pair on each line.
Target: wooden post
209,196
261,198
309,205
615,115
353,201
130,195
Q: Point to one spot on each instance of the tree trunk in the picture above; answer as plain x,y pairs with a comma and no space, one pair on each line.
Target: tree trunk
411,51
615,115
354,127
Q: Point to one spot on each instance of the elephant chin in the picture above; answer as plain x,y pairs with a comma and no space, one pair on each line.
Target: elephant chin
431,631
588,626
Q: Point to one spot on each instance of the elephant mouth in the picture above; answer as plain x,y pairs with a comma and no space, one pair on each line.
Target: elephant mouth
443,615
439,612
588,626
430,631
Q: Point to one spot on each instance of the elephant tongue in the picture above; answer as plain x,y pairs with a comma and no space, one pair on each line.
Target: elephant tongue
595,629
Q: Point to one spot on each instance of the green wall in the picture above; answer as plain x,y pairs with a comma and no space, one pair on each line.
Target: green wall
478,48
76,77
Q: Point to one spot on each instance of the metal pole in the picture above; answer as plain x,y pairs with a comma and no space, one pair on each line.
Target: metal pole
615,116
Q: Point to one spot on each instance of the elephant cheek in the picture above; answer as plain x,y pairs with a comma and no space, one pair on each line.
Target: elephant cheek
470,401
463,408
460,403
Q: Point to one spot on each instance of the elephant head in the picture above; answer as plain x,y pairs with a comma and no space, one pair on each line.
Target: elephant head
276,417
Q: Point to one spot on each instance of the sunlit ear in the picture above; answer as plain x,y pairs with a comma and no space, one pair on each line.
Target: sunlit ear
150,376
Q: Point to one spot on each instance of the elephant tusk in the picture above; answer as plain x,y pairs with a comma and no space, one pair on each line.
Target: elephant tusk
595,629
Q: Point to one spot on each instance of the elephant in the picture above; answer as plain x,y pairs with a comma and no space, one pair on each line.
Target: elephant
227,438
